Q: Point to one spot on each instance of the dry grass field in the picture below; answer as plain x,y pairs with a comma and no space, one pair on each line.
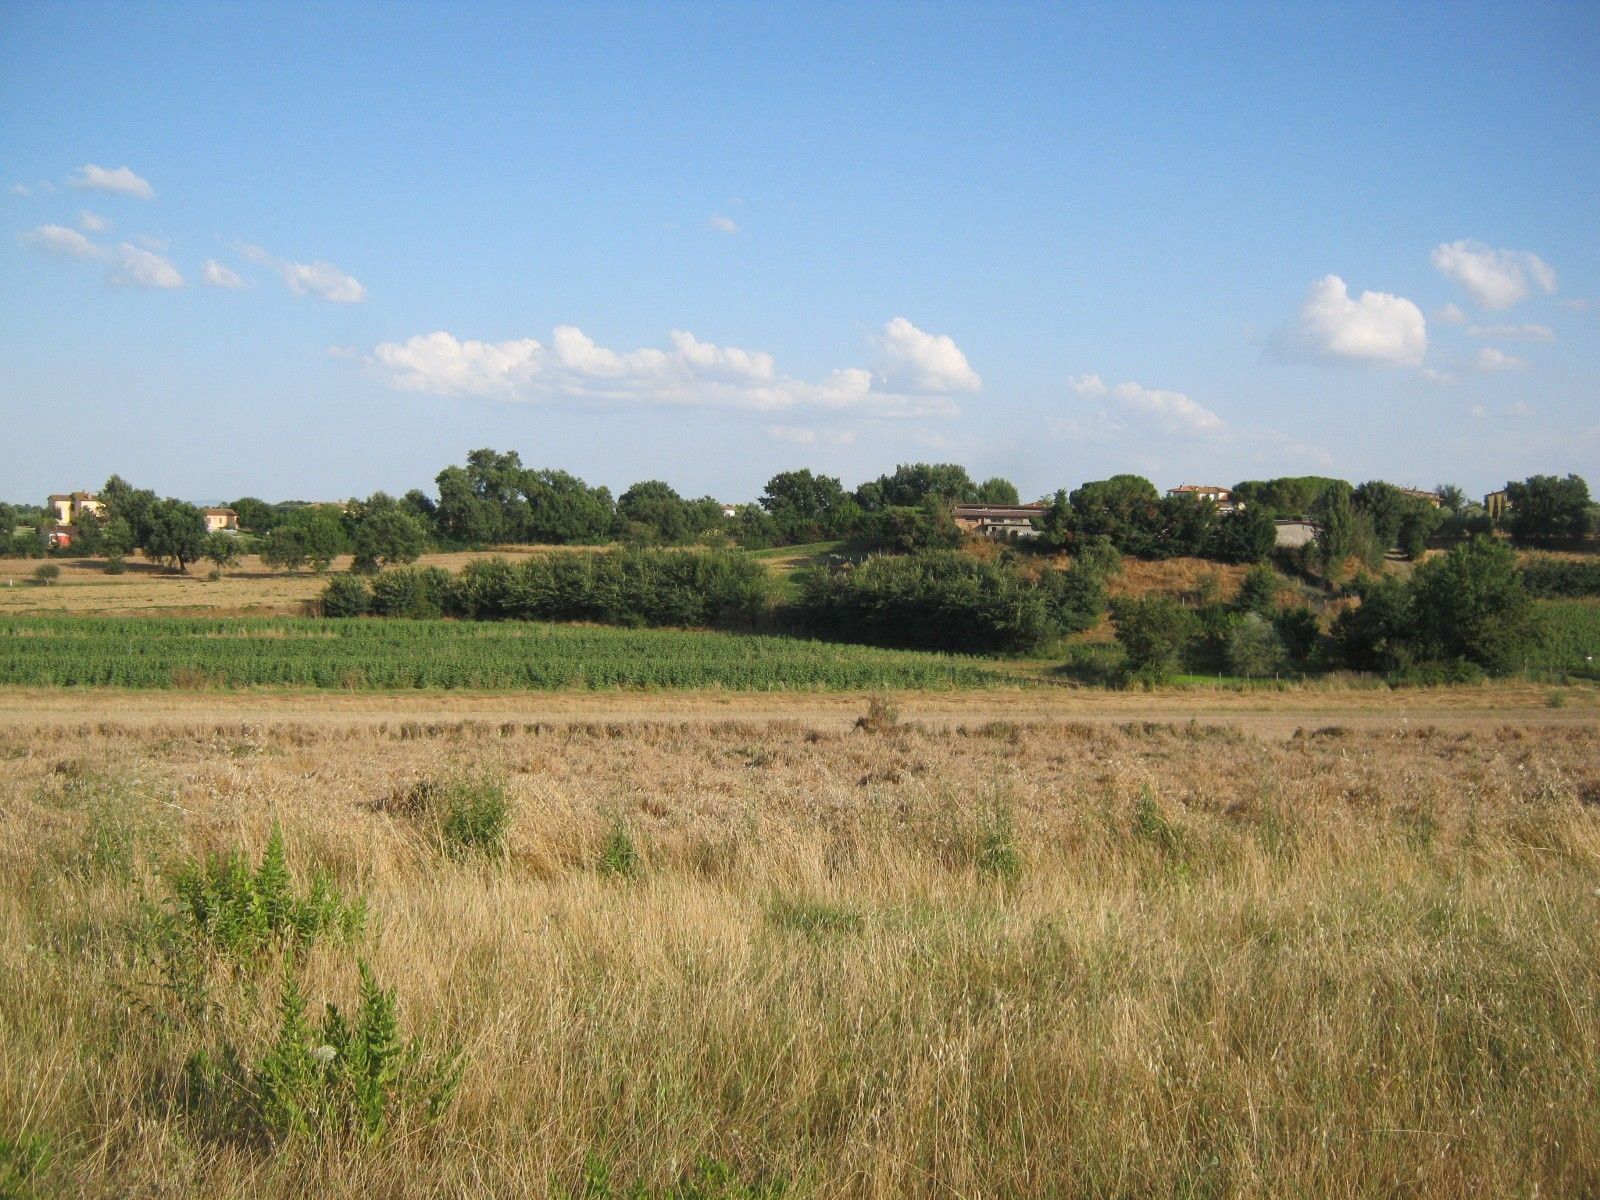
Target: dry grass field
148,590
743,948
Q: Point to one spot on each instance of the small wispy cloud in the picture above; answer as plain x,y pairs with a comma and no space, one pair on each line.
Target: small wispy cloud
93,222
1513,333
1490,359
1173,412
1495,279
119,181
219,276
724,224
126,265
317,278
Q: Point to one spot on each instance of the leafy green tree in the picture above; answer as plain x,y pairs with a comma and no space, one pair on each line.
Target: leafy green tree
1185,526
1254,647
1451,498
1546,508
283,547
1244,535
388,535
1055,526
131,505
321,529
1154,631
653,512
1471,604
222,549
257,516
1258,591
563,510
997,491
913,484
1077,596
176,533
1125,508
1380,633
1287,496
800,496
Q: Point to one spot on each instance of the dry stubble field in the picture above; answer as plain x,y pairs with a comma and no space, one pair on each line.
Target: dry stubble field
753,952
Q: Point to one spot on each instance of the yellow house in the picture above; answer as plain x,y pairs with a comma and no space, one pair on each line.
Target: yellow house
1497,504
70,506
221,518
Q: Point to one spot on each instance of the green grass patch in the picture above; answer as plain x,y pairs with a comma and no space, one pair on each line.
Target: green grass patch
367,655
1572,637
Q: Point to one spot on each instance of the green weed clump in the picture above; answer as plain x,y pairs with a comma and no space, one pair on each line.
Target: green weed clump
997,854
619,857
709,1179
467,814
814,918
339,1077
242,911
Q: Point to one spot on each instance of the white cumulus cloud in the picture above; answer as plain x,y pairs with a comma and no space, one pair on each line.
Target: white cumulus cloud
1171,412
688,373
724,224
126,265
21,189
317,278
119,181
132,267
1513,333
1491,359
1375,327
1451,314
219,276
93,222
1496,279
58,239
914,361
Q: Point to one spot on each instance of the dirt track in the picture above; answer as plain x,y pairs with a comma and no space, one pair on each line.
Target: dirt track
1274,714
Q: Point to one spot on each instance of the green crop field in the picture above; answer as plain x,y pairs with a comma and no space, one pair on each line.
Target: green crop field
1572,636
497,656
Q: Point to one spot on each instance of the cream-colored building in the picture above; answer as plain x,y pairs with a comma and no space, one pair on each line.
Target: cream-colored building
70,506
218,519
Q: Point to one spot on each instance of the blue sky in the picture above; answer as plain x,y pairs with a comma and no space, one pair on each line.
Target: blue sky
312,251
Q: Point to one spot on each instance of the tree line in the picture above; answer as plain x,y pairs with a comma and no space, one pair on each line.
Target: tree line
493,499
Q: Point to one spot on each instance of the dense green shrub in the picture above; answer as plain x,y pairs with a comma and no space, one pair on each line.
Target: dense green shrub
1154,631
630,587
1468,605
941,600
413,592
346,596
1554,578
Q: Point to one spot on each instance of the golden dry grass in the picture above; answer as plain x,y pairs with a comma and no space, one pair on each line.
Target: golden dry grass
147,589
1350,962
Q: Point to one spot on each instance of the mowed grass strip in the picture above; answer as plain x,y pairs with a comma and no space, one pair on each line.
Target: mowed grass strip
497,656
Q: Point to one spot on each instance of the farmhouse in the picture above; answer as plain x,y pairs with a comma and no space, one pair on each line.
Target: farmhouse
1220,496
1429,498
221,519
70,506
1497,504
1001,522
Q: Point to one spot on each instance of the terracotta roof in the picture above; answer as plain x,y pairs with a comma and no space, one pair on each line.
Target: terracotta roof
1200,487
